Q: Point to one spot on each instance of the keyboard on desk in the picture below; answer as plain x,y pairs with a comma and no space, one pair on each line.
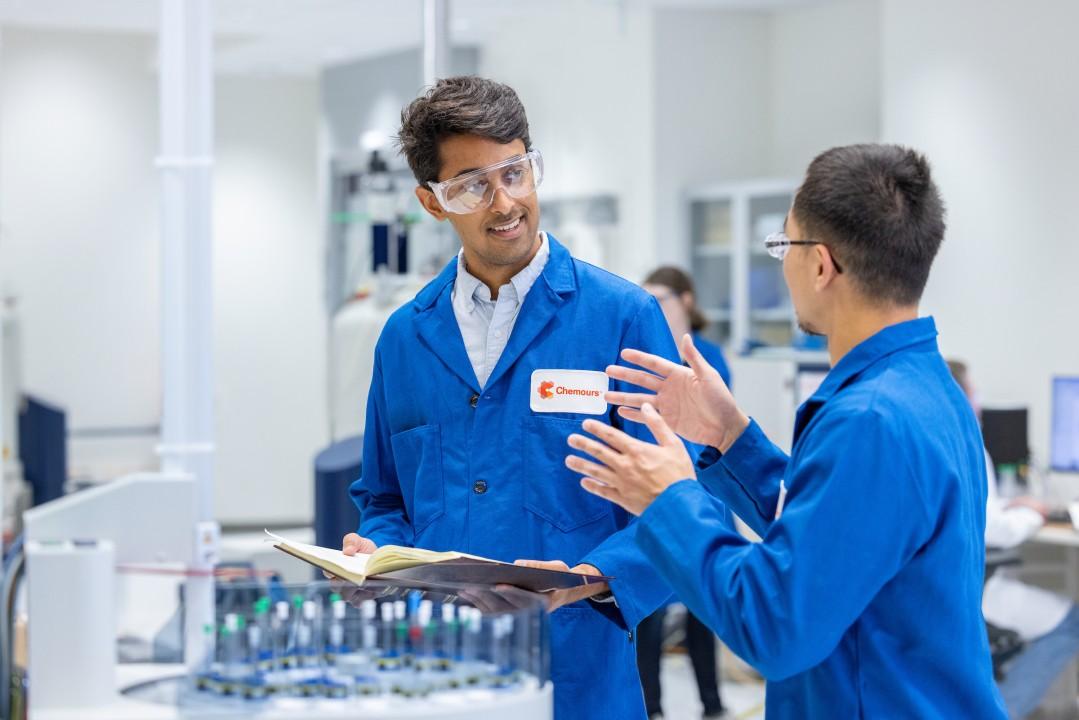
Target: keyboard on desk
1058,515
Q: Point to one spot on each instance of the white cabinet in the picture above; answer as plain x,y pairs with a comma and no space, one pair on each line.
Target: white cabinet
740,288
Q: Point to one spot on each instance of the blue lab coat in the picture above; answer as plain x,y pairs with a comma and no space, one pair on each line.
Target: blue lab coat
714,355
448,465
864,598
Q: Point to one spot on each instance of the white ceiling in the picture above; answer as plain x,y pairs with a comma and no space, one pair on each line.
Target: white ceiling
301,36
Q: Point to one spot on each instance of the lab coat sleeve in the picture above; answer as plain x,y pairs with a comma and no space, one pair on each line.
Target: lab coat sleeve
747,477
853,517
638,588
377,493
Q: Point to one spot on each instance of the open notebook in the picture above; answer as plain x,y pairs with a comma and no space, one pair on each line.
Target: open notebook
445,571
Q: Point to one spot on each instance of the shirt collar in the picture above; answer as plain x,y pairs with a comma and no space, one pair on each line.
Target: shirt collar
469,287
885,342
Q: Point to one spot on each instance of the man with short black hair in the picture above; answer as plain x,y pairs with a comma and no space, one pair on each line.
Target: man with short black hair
478,382
864,597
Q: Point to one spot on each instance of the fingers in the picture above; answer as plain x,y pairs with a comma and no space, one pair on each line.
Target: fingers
486,601
659,427
519,598
660,366
635,377
543,564
625,399
584,467
614,437
597,450
693,356
607,492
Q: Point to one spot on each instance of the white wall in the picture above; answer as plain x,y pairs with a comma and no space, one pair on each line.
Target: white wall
741,95
78,135
712,105
824,81
78,227
988,90
269,311
584,74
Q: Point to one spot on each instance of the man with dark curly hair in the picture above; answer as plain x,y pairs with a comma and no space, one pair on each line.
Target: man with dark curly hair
478,382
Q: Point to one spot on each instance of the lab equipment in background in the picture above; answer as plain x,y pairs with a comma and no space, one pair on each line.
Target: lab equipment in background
1064,437
587,225
336,468
43,448
381,249
380,238
415,658
1004,432
740,289
773,382
12,488
72,646
314,649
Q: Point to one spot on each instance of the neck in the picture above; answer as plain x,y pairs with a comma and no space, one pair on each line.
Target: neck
853,327
495,276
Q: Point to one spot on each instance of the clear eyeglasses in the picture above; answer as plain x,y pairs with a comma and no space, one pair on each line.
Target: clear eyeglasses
778,245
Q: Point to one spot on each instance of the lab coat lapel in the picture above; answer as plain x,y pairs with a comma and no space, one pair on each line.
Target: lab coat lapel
547,295
439,330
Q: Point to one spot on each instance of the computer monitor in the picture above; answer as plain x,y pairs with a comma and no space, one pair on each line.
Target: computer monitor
1064,437
1005,434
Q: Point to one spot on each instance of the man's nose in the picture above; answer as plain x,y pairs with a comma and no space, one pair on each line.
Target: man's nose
502,203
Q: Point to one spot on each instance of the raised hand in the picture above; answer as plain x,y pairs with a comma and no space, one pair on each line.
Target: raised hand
694,401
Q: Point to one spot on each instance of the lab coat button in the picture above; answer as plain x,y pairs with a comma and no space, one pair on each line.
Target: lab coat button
474,400
479,487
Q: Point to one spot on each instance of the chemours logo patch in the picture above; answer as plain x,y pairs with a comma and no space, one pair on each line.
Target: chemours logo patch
569,391
545,390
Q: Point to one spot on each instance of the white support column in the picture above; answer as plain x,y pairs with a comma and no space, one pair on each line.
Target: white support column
436,40
186,164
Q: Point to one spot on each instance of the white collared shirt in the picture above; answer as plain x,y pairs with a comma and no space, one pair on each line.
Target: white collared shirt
486,324
1008,602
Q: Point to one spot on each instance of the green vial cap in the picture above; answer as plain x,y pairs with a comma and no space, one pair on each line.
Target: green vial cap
297,601
335,598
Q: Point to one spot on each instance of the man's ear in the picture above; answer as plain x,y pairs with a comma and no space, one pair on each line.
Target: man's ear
430,203
824,269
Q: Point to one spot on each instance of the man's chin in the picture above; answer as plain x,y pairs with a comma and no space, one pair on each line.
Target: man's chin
809,329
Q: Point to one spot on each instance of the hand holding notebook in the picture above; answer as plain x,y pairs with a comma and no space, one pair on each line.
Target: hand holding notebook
426,569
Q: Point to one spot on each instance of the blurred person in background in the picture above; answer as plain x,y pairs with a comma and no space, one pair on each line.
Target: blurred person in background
1047,623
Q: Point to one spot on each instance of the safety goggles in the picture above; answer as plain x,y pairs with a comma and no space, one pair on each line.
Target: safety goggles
778,245
519,176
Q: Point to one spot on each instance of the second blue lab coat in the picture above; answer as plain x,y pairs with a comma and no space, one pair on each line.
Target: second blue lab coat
864,598
448,465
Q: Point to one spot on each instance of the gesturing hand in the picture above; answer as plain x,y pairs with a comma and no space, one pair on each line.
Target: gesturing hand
629,472
694,401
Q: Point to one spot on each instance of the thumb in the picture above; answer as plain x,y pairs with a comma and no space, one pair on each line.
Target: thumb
659,427
354,543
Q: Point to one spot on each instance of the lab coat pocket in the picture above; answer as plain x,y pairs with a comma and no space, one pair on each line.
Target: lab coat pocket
417,455
553,491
